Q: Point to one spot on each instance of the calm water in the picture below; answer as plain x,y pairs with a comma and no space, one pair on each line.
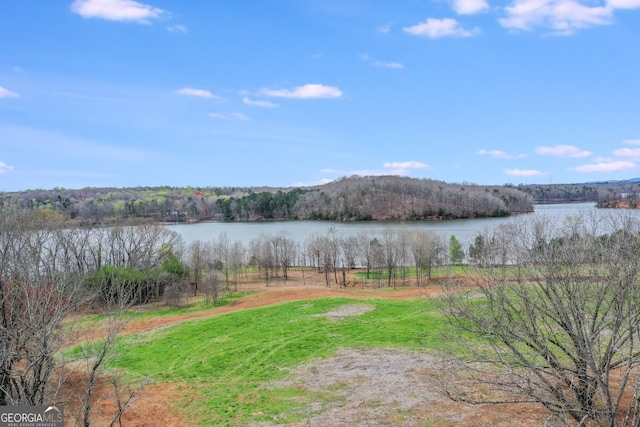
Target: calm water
464,229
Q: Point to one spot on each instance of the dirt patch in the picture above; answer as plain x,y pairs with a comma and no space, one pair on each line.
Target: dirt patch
390,387
372,387
156,404
348,310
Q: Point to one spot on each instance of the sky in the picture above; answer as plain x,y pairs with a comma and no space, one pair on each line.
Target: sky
124,93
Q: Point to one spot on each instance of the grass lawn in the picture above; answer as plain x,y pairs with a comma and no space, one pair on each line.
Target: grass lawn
229,358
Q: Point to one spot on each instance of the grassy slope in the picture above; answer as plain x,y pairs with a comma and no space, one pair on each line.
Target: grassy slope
227,359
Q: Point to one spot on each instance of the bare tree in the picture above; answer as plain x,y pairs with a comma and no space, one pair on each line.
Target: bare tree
213,284
333,254
45,261
140,247
428,250
196,255
124,401
177,294
379,259
35,296
284,248
313,250
366,250
236,260
560,318
349,250
263,257
97,350
403,253
320,253
221,251
390,248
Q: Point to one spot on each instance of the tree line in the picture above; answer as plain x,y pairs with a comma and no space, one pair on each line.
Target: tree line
52,272
605,194
346,199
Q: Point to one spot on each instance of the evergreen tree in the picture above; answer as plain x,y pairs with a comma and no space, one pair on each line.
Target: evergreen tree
456,254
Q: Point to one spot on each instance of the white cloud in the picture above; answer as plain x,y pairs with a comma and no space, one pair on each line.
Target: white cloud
632,141
606,166
498,154
388,168
359,172
258,103
335,171
469,7
4,168
563,17
313,183
411,164
117,10
381,64
305,92
177,29
567,151
200,93
229,116
436,28
6,93
524,172
630,153
624,4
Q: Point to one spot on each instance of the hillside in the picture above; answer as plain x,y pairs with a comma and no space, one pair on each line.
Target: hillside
604,193
346,199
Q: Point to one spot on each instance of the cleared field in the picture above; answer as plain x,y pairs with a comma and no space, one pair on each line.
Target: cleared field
230,358
295,355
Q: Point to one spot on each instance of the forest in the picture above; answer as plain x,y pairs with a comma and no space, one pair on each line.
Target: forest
605,194
346,199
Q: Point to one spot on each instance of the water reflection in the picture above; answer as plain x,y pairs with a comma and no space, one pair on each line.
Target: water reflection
464,229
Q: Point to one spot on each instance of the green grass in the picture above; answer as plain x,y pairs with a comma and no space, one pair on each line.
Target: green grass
229,358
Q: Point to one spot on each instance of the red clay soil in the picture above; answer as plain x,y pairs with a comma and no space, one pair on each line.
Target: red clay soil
156,406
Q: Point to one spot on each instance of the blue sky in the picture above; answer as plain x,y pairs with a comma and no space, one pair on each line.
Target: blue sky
300,92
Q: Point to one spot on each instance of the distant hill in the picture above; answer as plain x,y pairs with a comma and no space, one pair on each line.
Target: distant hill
346,199
602,192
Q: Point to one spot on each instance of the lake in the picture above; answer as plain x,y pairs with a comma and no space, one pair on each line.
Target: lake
464,229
